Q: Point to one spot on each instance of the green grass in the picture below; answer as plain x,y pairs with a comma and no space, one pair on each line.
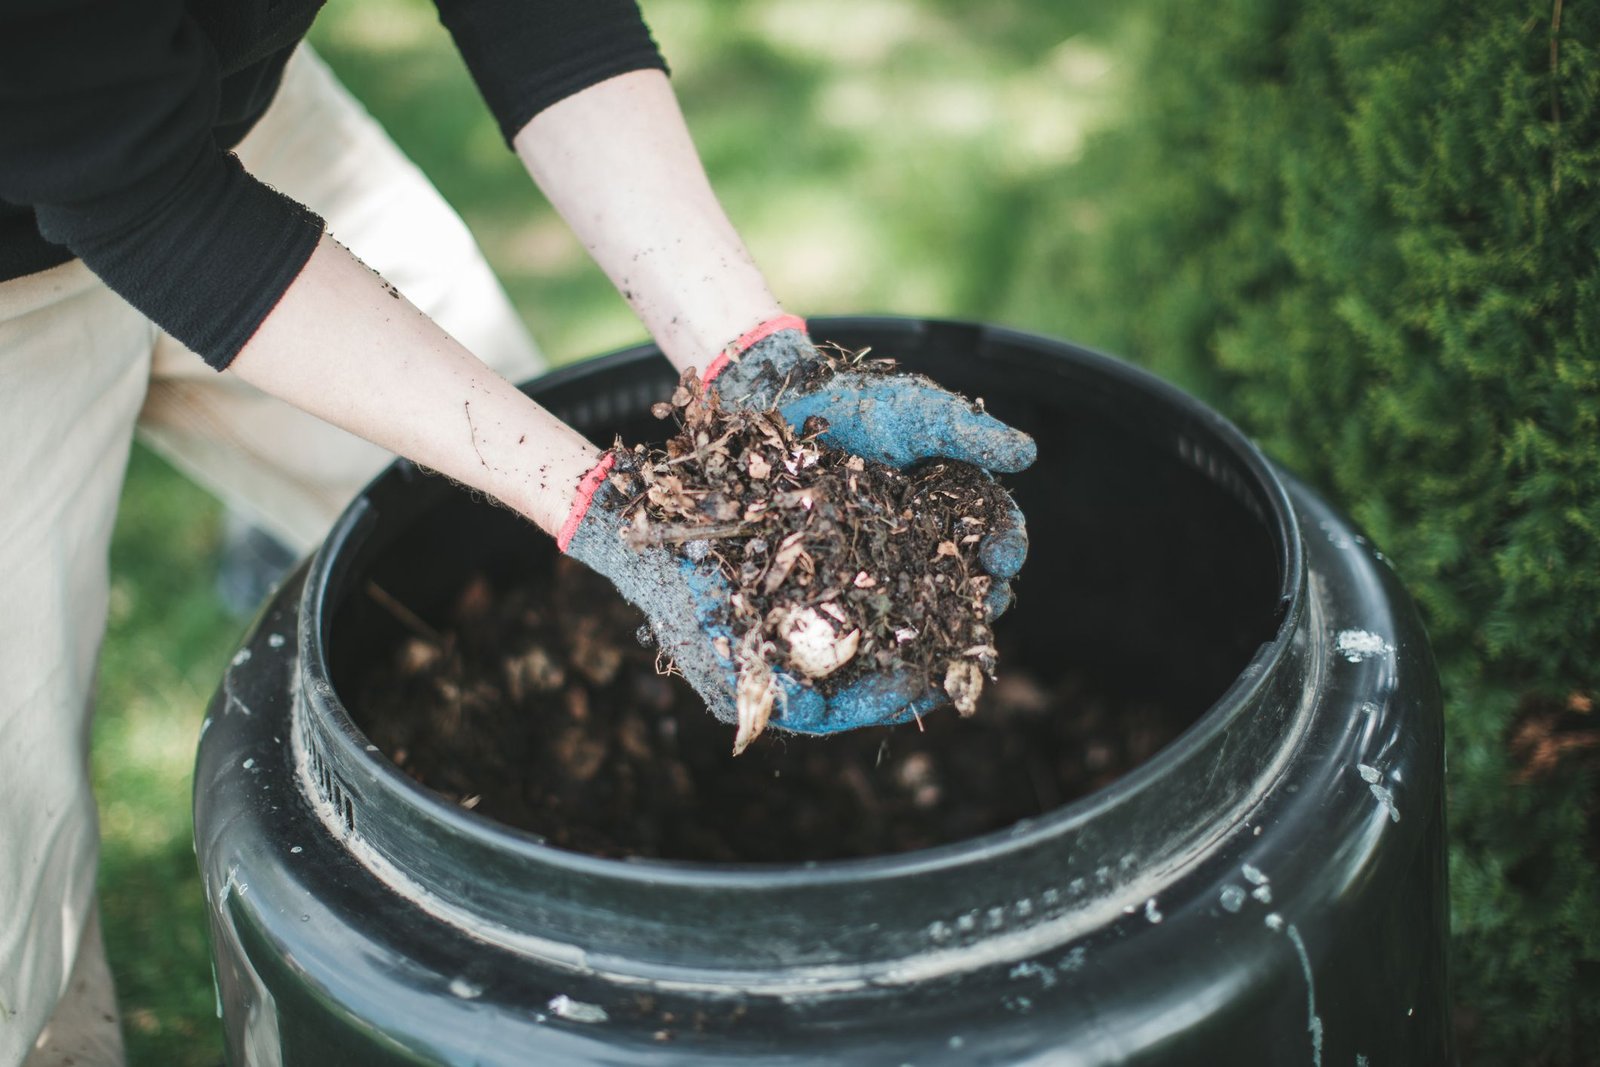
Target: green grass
876,154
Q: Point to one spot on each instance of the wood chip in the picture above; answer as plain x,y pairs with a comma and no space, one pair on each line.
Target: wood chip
783,561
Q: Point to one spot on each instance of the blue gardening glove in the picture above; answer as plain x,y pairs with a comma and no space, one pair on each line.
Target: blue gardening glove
898,419
685,597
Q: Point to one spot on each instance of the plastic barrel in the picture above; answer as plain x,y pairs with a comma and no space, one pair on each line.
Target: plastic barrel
1269,888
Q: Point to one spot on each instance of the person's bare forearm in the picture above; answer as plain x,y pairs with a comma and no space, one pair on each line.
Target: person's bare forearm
617,162
344,345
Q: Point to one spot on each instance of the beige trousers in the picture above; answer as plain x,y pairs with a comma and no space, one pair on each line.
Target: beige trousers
80,371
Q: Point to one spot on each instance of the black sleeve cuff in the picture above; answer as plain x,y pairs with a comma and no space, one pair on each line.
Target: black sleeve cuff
207,261
528,54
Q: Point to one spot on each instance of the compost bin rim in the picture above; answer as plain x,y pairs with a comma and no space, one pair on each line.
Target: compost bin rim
354,748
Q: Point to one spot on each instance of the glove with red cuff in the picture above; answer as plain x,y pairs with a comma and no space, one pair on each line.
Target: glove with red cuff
685,597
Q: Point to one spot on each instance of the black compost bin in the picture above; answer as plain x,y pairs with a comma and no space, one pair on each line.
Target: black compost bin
1267,888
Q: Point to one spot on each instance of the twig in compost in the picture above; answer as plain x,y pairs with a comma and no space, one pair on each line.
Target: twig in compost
404,615
659,534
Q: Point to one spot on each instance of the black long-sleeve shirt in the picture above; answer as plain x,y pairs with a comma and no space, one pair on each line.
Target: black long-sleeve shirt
116,117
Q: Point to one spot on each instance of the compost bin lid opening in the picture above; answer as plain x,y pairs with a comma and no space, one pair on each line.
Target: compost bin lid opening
1195,457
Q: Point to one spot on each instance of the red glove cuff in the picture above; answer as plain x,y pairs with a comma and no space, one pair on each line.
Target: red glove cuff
748,338
587,487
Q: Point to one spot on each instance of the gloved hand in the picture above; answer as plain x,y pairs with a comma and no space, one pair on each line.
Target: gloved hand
685,600
898,419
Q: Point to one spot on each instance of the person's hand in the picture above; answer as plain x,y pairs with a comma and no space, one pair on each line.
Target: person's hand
898,419
685,598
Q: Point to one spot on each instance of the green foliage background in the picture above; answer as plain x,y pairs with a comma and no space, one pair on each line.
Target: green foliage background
1370,233
1360,230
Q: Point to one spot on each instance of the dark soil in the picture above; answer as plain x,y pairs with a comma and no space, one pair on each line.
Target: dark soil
540,707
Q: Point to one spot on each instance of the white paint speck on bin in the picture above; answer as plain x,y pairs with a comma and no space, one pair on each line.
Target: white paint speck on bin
1357,645
564,1007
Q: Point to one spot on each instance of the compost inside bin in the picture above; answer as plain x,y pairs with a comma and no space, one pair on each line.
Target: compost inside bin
540,706
513,682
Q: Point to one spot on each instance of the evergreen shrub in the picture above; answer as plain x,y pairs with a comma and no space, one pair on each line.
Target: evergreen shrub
1370,232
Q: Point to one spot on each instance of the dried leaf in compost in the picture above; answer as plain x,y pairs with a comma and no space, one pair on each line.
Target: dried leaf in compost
667,493
783,561
720,507
754,693
963,682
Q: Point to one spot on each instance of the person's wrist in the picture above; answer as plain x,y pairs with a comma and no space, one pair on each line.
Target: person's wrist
754,343
763,364
583,499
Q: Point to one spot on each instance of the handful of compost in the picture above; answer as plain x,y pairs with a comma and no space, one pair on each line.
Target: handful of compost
796,583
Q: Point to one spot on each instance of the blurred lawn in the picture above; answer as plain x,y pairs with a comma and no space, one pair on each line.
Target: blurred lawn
878,155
